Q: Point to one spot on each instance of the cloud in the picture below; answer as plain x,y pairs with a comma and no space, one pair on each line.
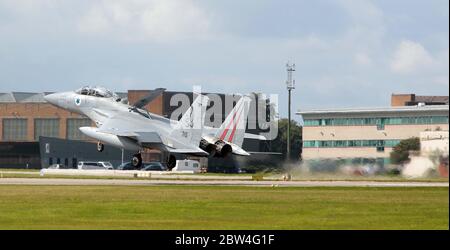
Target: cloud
155,20
312,41
347,52
418,69
367,26
363,11
229,83
362,59
409,57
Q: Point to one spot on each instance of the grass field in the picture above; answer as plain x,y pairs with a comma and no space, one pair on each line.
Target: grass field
213,207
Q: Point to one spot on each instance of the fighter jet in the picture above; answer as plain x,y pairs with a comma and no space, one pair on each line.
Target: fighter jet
130,127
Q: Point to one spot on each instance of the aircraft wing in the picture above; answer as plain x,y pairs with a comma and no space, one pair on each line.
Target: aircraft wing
121,127
142,131
144,101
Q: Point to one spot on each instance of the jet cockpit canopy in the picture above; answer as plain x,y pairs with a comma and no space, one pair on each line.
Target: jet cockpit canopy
97,92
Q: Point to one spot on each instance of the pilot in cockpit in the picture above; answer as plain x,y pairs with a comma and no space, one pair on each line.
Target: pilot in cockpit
98,92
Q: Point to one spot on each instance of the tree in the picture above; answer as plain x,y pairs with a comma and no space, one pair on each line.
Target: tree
280,143
400,153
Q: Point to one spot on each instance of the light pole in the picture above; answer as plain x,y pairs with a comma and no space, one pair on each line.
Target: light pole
290,85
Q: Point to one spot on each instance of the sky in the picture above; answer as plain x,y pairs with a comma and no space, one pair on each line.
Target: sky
348,53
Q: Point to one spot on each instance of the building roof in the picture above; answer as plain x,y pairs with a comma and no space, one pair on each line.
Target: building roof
7,97
21,97
28,97
374,110
431,99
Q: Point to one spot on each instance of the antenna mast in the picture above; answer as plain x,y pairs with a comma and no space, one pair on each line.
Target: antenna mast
290,85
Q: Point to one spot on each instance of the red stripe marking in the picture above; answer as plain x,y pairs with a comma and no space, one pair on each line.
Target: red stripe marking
225,132
230,139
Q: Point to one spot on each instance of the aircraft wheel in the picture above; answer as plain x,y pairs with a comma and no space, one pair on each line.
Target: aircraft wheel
136,161
171,162
100,147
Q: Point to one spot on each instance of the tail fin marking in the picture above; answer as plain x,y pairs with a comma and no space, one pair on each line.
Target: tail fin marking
225,132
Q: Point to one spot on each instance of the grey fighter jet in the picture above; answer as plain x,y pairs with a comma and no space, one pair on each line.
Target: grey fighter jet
132,128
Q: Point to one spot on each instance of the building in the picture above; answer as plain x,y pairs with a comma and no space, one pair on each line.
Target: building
362,135
413,100
434,141
27,117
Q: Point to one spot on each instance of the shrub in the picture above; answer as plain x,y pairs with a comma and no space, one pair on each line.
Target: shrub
400,153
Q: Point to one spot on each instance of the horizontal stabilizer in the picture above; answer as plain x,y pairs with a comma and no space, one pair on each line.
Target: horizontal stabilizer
190,151
255,137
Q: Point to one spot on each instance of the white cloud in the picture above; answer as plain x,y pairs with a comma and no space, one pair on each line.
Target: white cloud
365,12
420,69
409,57
365,34
229,83
360,42
94,21
368,26
311,41
156,20
362,59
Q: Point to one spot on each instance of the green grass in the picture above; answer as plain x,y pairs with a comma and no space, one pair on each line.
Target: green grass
20,169
214,207
55,176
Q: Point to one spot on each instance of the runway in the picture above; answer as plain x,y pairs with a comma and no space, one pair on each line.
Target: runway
118,182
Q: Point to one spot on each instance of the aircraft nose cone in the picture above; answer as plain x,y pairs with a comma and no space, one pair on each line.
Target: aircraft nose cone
51,98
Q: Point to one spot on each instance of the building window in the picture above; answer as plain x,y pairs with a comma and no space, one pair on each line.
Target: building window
46,127
439,119
394,121
14,129
309,144
391,143
379,121
379,144
73,125
340,144
380,126
310,123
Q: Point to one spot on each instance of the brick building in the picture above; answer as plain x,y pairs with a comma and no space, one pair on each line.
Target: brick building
412,100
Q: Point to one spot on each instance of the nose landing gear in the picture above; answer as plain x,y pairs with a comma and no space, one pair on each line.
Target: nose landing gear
100,147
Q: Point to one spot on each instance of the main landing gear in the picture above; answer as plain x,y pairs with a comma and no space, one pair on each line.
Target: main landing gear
136,161
171,162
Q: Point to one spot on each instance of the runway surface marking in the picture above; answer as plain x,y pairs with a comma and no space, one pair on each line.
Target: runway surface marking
75,182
